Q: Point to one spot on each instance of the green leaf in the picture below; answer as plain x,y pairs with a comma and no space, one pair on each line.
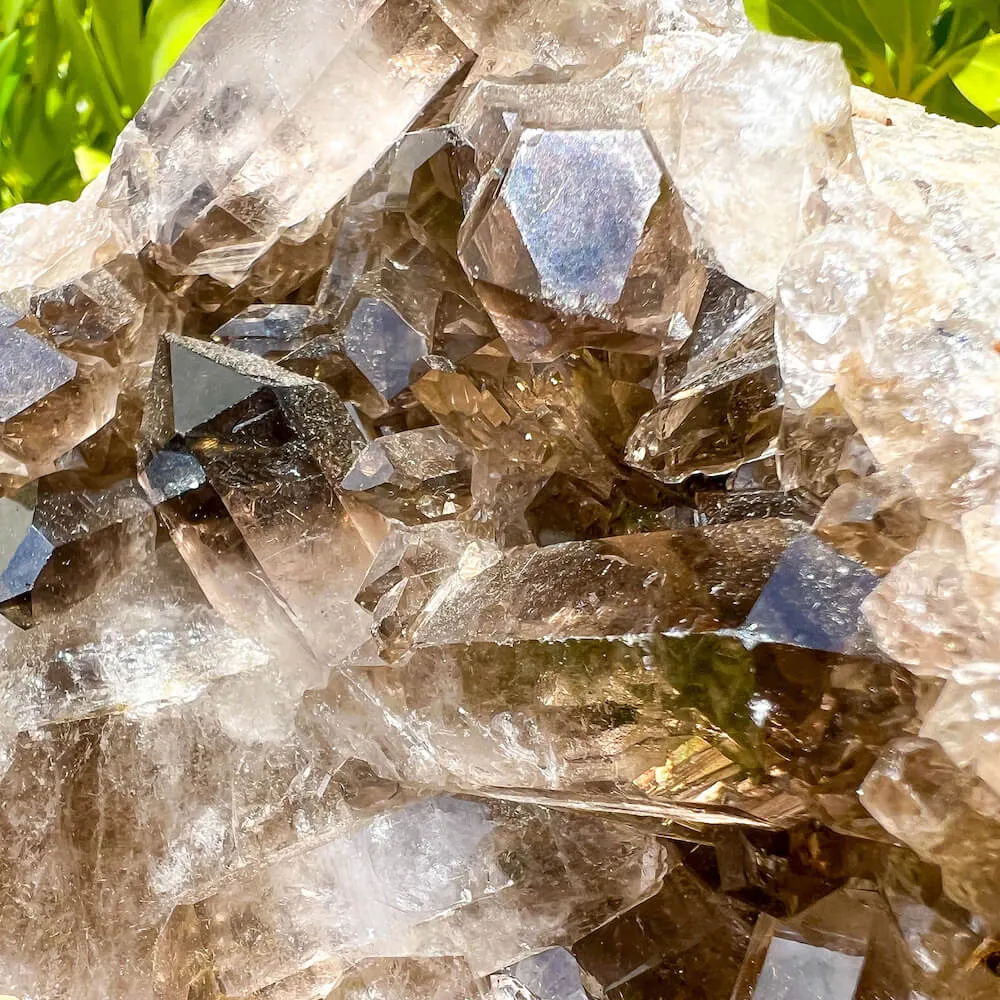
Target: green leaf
904,25
49,45
117,26
956,28
8,88
61,183
10,14
90,162
87,66
9,48
38,149
12,56
841,21
976,73
988,9
170,27
946,99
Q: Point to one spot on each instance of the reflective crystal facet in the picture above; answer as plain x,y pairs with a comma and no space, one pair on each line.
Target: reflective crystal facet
64,538
31,370
821,953
270,331
813,598
713,422
617,276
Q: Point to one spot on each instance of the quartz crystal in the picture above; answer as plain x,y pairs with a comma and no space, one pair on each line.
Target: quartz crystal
619,277
32,369
821,953
948,816
500,500
270,331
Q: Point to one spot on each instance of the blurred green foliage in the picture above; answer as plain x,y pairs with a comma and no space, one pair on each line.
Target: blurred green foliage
945,56
72,73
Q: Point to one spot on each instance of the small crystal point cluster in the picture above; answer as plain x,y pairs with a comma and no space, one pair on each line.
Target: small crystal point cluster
500,500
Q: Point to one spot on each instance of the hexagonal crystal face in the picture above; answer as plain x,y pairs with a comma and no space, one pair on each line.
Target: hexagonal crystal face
576,237
578,201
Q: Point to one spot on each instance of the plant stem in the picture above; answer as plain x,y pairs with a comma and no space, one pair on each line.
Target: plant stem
881,77
905,66
922,89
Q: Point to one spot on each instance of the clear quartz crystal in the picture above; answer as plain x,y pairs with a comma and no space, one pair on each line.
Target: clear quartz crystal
782,110
553,975
274,150
946,815
45,367
432,878
500,500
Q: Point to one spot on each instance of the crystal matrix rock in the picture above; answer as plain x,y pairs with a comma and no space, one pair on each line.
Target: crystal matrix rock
498,501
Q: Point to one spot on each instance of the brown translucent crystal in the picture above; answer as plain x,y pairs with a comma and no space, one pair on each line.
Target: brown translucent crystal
695,579
406,979
949,817
694,719
617,277
500,500
712,422
685,941
876,520
270,444
64,537
217,190
443,876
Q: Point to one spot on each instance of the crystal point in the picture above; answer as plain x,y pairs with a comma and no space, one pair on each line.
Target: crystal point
616,277
587,273
712,422
694,580
203,387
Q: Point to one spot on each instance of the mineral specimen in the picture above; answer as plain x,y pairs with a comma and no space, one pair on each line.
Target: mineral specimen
500,500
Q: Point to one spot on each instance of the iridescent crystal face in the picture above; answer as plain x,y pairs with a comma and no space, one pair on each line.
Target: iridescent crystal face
578,201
